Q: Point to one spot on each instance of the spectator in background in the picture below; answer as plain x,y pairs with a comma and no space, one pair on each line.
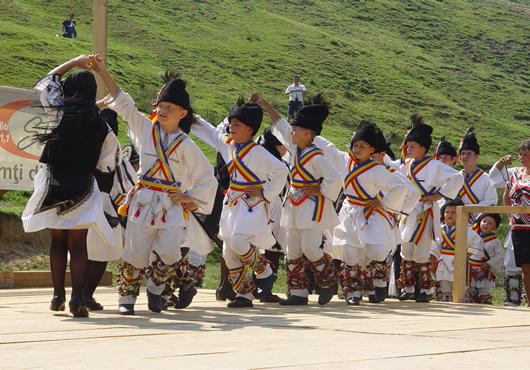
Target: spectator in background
295,99
68,27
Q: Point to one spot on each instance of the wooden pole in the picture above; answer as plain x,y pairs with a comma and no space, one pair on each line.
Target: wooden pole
99,39
459,274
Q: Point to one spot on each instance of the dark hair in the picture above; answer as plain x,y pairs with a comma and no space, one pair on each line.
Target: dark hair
450,203
495,216
524,145
296,76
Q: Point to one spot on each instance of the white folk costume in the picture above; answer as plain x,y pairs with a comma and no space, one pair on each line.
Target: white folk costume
445,257
422,225
477,189
245,223
361,231
305,216
478,282
168,161
54,204
513,280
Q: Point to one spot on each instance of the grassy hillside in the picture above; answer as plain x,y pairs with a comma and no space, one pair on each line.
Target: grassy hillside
458,63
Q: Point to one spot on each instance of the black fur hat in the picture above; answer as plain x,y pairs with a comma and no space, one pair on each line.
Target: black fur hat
366,132
250,114
445,147
495,217
469,142
313,114
419,132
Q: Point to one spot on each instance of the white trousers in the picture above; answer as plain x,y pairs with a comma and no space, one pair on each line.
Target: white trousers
306,241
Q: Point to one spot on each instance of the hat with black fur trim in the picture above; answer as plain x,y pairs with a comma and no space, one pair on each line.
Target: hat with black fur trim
250,114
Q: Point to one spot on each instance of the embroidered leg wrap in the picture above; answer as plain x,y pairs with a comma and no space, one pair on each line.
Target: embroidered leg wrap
513,283
486,299
327,276
182,275
446,297
352,278
472,296
255,260
426,281
198,273
128,280
241,280
160,273
406,277
296,274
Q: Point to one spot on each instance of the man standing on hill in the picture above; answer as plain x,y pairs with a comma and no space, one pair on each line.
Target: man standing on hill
295,99
68,27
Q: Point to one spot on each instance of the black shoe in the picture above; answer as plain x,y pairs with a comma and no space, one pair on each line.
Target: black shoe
186,297
353,301
380,294
270,298
126,309
223,294
406,296
173,301
294,300
326,294
264,286
373,299
155,303
77,309
240,302
92,304
424,297
57,303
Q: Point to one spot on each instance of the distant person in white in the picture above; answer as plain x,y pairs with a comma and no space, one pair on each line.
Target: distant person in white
295,99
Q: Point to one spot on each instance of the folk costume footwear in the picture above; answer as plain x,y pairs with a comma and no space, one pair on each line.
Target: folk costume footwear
270,298
126,309
57,303
91,304
155,303
222,294
240,302
77,309
373,299
185,297
353,301
406,296
424,297
294,300
264,286
380,293
326,294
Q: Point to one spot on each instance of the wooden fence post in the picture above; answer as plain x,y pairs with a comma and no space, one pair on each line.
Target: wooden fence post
99,39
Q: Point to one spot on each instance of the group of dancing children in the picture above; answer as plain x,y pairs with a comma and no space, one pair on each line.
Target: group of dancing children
282,197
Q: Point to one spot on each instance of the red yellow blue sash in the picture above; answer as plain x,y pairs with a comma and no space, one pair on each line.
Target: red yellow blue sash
448,240
237,161
466,189
306,179
414,168
474,263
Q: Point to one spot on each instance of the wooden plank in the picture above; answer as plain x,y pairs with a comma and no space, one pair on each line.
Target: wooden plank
3,192
496,209
39,279
99,39
459,274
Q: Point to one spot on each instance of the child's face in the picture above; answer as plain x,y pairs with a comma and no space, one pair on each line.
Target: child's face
362,150
487,225
415,150
298,134
450,215
240,132
378,157
169,114
468,157
447,159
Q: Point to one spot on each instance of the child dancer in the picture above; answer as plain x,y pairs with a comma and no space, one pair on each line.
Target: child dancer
477,189
66,197
308,209
443,254
445,152
256,179
481,273
434,180
174,172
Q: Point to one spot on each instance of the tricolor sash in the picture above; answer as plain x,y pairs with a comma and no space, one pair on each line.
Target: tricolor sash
295,194
473,265
468,183
236,189
414,168
448,240
361,197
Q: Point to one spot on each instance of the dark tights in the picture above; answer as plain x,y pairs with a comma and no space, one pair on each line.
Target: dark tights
64,241
93,274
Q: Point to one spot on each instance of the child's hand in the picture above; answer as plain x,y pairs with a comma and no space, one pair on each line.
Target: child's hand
254,191
484,267
374,204
179,197
312,190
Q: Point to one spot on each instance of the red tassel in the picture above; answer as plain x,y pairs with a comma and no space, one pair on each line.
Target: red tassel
152,222
137,213
164,218
235,203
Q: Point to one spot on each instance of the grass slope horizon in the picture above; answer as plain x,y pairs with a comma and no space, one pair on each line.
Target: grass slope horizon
458,64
